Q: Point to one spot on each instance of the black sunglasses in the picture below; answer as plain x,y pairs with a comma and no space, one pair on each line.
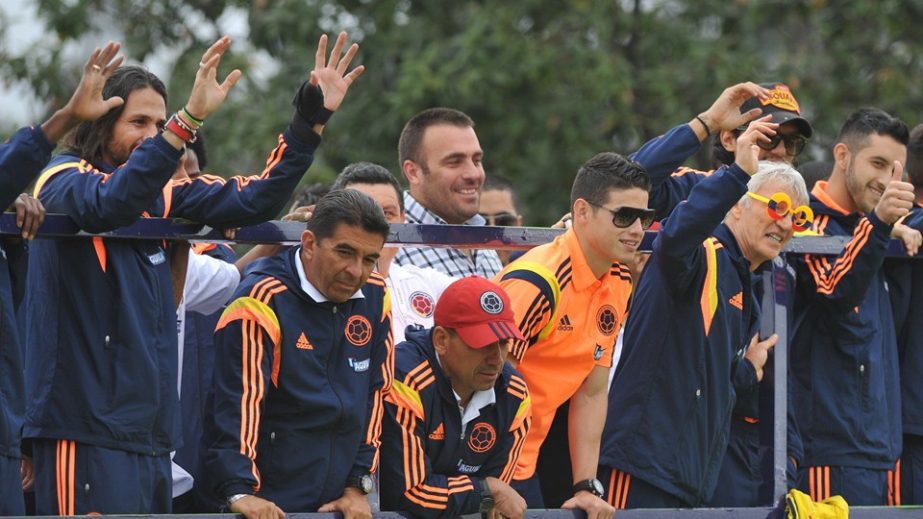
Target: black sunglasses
794,143
503,219
623,217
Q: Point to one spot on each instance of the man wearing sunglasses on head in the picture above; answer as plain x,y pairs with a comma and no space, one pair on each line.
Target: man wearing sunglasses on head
844,352
740,479
690,342
570,298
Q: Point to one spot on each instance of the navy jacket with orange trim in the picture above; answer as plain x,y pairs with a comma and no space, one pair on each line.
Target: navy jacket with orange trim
101,357
905,283
663,158
21,159
430,467
299,388
671,183
844,351
684,373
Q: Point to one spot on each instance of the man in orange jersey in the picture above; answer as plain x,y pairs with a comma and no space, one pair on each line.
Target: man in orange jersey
457,414
303,359
570,297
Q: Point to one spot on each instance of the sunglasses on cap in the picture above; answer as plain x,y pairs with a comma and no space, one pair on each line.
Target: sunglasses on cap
794,143
624,217
503,219
779,205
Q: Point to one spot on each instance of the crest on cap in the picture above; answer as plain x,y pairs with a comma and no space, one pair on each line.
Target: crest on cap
781,97
491,302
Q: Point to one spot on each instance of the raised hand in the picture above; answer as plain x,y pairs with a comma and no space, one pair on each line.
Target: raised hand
747,153
330,75
897,200
207,94
724,113
87,103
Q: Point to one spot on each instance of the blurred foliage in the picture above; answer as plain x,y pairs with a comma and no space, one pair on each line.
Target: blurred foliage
548,83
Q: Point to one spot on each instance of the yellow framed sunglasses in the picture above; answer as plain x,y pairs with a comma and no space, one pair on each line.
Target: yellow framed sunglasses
779,205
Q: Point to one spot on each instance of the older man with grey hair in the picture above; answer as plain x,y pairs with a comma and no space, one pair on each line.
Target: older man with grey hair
700,275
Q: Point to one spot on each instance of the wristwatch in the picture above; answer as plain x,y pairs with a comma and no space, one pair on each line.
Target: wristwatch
593,486
364,483
487,497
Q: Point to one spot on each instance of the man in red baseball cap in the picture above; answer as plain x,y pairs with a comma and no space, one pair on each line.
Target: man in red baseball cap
458,413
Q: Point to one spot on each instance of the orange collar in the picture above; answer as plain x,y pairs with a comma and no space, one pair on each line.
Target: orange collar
820,192
583,277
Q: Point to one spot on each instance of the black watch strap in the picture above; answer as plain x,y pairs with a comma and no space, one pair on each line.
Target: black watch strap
593,486
363,482
487,497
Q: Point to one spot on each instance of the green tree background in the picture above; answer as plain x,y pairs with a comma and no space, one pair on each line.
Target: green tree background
549,83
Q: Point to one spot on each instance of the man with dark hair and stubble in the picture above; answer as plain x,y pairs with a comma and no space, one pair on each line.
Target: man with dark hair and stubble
844,352
570,298
413,290
441,158
101,362
304,359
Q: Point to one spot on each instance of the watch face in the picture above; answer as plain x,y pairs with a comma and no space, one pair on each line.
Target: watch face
366,484
597,487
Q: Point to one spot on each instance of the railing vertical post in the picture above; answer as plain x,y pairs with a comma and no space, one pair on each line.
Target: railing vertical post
775,304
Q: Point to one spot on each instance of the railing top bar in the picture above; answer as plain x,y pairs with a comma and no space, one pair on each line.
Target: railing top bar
459,236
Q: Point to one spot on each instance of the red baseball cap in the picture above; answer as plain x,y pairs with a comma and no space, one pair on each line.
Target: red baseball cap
478,310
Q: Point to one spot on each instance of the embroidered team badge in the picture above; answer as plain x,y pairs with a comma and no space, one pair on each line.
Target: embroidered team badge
358,330
606,320
422,303
483,436
491,302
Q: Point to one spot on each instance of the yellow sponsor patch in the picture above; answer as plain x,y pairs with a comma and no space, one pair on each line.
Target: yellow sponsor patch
781,97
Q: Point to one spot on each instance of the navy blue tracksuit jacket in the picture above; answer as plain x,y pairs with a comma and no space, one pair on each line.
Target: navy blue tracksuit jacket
844,352
299,388
430,465
671,183
905,284
671,399
21,159
101,360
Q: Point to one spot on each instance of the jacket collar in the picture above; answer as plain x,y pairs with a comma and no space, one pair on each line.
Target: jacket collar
583,277
820,195
727,238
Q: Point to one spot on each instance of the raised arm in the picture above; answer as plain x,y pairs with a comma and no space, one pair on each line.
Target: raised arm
664,155
27,152
99,201
845,280
678,244
247,200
